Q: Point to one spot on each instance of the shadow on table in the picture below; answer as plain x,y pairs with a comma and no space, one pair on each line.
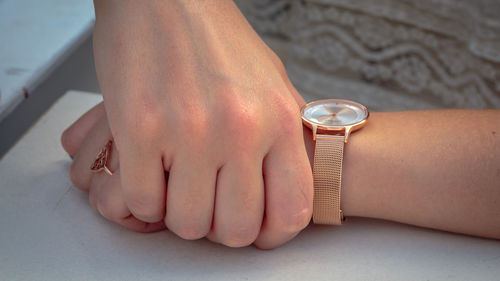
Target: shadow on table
358,245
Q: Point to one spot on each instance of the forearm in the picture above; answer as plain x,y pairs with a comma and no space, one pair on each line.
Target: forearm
437,169
184,41
186,23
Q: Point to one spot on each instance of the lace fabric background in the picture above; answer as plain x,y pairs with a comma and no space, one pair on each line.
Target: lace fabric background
387,54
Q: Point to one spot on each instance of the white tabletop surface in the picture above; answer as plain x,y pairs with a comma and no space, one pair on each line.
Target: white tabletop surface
48,231
35,37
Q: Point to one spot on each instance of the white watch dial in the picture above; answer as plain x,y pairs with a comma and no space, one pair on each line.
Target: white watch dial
335,113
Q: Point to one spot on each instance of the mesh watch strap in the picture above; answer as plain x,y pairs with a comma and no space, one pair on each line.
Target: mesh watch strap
327,174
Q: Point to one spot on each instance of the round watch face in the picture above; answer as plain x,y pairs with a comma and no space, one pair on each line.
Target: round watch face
334,114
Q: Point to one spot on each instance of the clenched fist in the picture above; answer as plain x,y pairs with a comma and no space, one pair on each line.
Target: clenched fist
189,88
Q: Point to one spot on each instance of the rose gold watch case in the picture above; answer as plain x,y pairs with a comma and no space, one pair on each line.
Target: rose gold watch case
345,130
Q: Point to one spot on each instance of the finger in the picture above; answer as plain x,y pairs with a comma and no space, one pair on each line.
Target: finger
190,196
93,142
289,193
143,181
288,183
106,191
239,203
72,138
306,132
135,224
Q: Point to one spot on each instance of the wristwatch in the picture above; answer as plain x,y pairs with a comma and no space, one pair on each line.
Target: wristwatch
331,122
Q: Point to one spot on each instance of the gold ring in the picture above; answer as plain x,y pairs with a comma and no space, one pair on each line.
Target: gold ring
102,159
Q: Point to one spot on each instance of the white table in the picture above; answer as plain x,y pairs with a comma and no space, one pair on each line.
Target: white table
48,231
36,37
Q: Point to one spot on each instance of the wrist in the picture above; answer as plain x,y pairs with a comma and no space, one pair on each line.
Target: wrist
354,199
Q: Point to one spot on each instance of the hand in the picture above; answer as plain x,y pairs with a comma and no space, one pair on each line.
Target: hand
83,139
191,89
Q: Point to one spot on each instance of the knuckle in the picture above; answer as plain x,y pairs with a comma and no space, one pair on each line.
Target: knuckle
289,118
241,115
66,141
243,123
194,123
295,213
76,177
189,218
93,200
141,127
106,211
193,120
247,117
295,221
188,229
241,236
236,105
142,208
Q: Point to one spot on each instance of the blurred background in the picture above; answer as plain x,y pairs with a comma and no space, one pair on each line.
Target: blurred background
45,50
387,54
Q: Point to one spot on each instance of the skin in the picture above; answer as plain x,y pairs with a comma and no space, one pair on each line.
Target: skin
437,169
414,167
191,89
